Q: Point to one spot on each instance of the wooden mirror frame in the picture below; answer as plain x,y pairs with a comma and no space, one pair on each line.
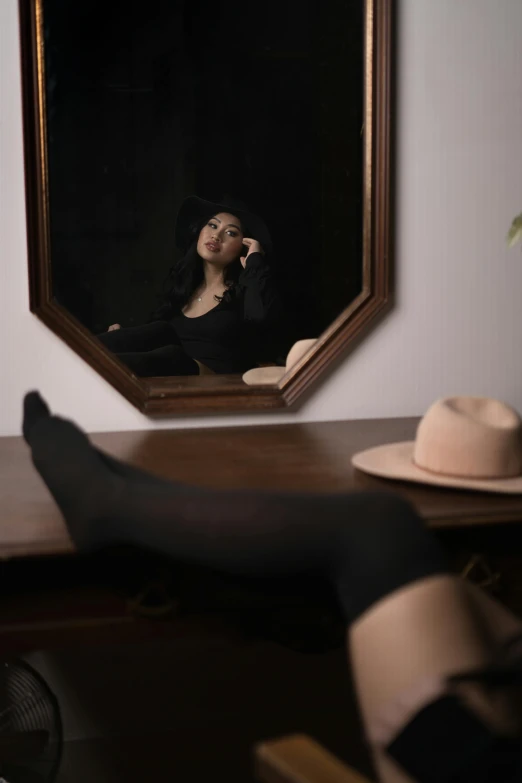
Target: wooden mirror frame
215,394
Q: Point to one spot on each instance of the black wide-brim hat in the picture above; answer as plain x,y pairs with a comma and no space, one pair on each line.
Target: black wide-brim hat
195,209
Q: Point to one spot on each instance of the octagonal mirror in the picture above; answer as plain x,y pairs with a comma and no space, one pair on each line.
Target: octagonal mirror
208,191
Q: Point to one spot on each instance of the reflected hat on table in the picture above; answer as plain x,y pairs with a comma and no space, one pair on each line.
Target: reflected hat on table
461,442
270,376
195,209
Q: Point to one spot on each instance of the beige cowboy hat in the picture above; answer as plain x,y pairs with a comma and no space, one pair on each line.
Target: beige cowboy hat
270,376
462,442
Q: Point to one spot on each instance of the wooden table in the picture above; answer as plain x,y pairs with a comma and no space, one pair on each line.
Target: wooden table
306,457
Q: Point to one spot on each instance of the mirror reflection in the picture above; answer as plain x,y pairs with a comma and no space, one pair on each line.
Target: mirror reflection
257,109
222,308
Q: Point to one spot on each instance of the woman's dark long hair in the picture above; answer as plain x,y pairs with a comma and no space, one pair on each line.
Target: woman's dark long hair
187,274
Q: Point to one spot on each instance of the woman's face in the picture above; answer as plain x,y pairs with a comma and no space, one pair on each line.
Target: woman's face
221,239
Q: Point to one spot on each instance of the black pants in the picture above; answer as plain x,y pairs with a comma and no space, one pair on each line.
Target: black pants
150,350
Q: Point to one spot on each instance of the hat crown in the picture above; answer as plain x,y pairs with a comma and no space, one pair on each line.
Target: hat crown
230,203
470,437
297,351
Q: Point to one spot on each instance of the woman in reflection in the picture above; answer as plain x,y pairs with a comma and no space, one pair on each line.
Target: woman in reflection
222,306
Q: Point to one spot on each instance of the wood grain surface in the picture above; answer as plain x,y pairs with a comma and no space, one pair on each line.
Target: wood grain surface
290,457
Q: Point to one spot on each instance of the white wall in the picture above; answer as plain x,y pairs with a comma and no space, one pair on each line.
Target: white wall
457,326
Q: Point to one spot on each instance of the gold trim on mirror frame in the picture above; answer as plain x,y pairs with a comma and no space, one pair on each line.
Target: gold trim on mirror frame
169,396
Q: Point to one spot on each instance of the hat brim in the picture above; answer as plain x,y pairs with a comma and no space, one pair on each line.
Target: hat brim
195,208
264,376
395,461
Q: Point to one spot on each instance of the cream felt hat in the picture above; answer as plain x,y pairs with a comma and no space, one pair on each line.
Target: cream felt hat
462,442
270,376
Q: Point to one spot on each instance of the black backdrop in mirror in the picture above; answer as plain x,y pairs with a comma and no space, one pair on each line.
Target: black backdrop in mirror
150,102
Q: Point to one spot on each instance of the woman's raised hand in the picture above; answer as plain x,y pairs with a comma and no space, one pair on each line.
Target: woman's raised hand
113,327
253,247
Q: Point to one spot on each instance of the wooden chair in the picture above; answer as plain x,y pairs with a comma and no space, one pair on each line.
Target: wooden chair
299,759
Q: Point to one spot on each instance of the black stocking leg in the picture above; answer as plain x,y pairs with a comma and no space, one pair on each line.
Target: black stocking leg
140,338
36,410
162,362
244,533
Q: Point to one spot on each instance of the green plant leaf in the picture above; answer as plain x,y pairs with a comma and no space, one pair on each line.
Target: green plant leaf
515,231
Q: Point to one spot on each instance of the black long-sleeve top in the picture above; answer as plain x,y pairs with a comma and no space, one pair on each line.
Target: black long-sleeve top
238,333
